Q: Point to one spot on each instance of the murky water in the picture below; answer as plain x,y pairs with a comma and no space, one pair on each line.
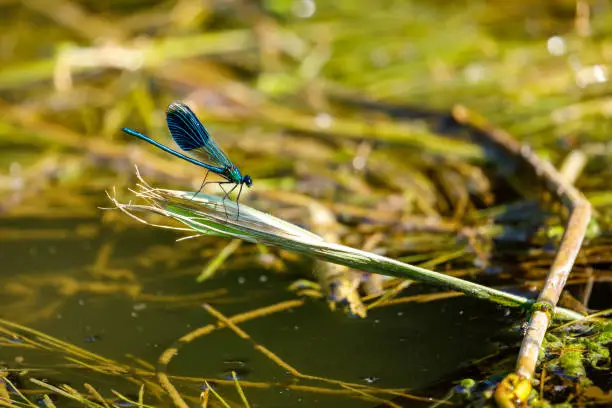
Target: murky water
130,291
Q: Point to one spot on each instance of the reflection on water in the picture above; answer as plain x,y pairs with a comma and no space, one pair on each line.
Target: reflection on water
129,293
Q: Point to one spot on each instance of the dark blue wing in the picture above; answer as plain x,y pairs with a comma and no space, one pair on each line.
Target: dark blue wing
191,136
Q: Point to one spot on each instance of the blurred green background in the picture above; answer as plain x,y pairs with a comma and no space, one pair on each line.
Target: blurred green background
344,104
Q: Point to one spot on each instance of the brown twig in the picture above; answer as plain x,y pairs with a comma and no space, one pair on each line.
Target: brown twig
579,216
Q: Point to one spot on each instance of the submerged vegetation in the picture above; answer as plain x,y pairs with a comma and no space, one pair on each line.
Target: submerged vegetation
453,147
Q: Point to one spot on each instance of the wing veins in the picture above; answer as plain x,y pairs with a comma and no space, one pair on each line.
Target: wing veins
185,126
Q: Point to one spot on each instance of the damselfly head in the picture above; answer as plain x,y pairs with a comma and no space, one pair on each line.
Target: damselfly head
247,180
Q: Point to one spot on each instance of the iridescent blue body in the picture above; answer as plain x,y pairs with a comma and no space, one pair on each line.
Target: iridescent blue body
200,148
